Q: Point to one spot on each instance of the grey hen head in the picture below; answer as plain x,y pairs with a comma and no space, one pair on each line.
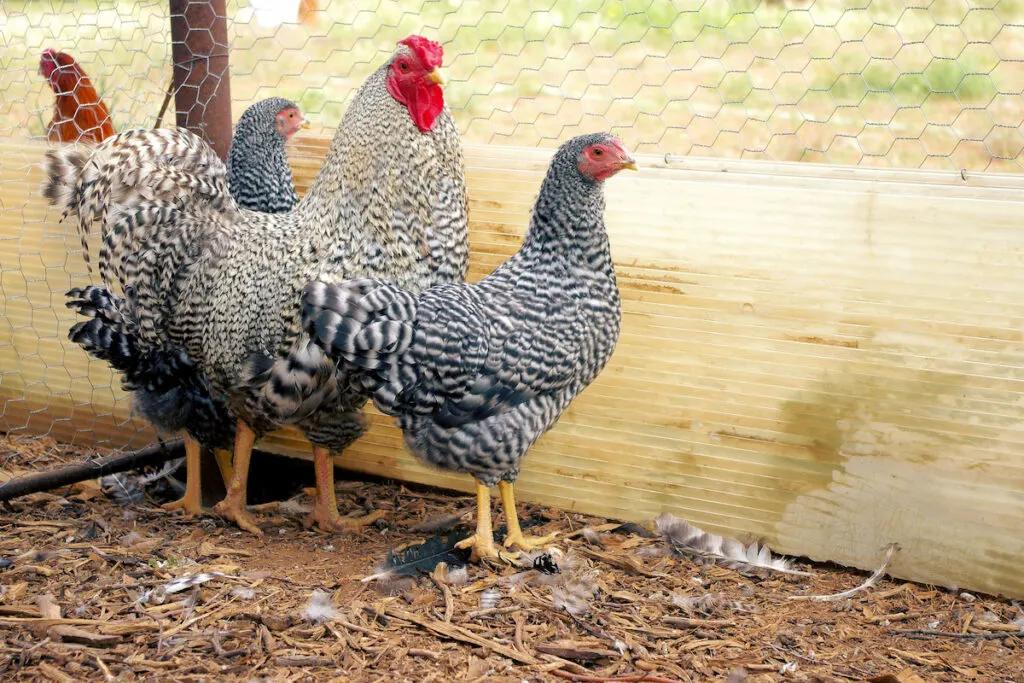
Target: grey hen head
258,172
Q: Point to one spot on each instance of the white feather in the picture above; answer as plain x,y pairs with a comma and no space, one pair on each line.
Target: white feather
320,608
243,593
890,551
159,594
490,598
168,467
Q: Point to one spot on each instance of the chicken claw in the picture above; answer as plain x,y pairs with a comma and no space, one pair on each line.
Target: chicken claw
325,507
233,508
482,542
515,537
328,519
233,505
528,543
483,548
190,505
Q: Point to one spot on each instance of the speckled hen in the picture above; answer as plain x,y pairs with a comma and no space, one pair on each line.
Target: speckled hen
259,176
476,373
168,389
223,285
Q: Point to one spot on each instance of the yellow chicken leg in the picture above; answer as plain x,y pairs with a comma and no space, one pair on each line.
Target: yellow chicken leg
223,458
482,542
233,505
325,509
515,536
192,502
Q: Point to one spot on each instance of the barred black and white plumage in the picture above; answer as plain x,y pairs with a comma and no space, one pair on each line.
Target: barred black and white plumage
168,389
476,373
222,285
259,176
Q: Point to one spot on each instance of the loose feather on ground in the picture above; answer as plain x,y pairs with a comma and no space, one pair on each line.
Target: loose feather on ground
686,540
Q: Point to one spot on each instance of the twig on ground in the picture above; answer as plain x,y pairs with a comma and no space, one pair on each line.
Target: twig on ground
72,474
926,633
610,679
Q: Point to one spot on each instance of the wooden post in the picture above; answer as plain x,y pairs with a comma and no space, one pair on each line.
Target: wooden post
199,34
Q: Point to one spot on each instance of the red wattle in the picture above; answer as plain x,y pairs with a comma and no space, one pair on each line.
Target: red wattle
423,100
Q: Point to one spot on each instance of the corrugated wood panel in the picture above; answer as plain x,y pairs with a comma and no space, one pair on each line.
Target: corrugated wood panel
824,357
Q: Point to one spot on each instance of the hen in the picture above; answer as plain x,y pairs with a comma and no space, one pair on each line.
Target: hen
221,287
78,112
259,176
476,373
167,388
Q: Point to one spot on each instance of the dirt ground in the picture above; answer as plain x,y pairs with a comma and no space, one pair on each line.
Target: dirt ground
93,590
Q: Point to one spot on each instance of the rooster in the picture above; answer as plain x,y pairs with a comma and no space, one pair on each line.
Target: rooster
219,287
167,388
476,373
78,112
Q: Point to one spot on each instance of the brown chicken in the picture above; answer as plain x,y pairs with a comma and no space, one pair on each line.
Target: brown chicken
78,112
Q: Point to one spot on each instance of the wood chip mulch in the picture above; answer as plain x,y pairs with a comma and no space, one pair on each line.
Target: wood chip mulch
92,590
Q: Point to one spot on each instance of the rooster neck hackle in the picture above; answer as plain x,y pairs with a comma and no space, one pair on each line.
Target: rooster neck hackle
364,205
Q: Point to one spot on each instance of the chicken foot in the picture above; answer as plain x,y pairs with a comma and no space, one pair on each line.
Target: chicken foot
482,542
325,508
233,505
515,537
192,502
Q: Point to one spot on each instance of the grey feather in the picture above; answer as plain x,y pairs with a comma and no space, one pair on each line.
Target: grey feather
686,540
167,469
124,489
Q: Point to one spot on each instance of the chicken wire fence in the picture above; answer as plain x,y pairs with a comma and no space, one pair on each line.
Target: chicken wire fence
902,84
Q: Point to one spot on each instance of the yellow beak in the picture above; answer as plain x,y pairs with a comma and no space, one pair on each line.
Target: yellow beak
631,165
305,123
437,77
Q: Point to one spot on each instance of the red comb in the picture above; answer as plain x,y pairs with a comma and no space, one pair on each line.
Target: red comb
426,50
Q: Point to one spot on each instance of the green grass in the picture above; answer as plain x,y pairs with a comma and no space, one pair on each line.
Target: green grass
680,77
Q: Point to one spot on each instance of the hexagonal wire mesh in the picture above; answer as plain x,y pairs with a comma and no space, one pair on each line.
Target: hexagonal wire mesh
907,84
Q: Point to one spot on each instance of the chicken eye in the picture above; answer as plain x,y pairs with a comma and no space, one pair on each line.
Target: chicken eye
405,66
598,152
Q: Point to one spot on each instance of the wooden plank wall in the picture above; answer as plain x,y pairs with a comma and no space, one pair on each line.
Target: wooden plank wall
826,358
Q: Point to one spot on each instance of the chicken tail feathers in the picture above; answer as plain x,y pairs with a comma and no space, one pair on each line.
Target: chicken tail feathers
167,387
133,183
368,325
62,168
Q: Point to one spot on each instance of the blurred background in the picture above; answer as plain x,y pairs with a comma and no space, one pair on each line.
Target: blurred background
910,83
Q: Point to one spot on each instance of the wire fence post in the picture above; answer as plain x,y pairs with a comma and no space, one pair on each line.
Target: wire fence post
201,81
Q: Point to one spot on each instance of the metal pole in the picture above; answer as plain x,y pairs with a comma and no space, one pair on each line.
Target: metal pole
199,35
